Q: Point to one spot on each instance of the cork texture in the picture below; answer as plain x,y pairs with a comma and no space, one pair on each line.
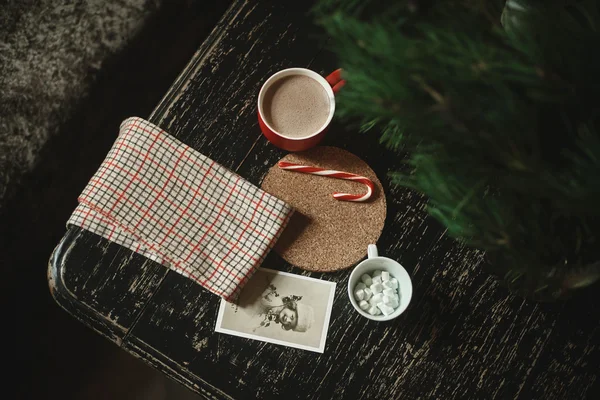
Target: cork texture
326,234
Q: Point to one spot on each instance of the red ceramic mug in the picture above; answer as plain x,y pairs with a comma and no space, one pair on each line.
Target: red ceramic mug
332,83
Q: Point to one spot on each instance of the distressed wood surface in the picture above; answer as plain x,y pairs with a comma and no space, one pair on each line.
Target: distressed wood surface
463,336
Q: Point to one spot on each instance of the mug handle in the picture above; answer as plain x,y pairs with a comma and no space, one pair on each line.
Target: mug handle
372,251
335,80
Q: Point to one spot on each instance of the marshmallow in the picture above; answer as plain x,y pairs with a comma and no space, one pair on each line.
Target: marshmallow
385,276
391,301
359,294
366,280
377,298
377,294
376,288
386,310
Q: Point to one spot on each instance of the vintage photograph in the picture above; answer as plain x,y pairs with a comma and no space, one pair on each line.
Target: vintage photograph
281,308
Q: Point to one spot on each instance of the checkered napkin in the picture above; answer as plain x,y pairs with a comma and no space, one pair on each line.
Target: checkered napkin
162,199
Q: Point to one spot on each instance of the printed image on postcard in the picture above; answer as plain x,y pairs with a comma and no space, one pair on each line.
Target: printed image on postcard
281,308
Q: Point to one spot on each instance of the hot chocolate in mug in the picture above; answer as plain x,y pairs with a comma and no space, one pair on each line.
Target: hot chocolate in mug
295,107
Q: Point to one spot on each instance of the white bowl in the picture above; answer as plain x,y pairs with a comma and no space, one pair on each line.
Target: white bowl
376,263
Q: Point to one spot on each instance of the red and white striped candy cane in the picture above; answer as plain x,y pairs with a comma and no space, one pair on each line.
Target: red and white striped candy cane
333,174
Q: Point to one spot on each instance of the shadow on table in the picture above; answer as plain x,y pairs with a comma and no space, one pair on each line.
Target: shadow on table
49,352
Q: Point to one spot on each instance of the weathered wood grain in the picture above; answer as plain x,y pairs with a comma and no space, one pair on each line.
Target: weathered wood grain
205,113
463,336
102,283
212,106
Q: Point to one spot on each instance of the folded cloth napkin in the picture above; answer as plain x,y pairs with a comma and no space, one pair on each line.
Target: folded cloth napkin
164,200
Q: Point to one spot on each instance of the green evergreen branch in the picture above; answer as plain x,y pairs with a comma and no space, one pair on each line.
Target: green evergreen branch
500,122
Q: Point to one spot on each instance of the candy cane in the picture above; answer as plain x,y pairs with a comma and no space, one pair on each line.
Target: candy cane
333,174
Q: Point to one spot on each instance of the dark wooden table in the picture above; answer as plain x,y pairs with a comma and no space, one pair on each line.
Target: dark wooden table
463,336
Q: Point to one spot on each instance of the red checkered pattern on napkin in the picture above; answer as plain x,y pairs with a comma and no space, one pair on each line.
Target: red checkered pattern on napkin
164,200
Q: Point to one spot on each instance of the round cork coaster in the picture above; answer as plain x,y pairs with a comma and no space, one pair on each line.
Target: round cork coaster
325,234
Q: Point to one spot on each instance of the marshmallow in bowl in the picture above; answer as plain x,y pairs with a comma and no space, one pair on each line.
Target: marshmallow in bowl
366,280
376,299
376,288
377,294
359,295
373,310
391,301
386,310
385,284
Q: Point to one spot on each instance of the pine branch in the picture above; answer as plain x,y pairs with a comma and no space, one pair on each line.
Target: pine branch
500,123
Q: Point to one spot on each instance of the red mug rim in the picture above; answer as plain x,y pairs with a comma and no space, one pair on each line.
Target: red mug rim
297,71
